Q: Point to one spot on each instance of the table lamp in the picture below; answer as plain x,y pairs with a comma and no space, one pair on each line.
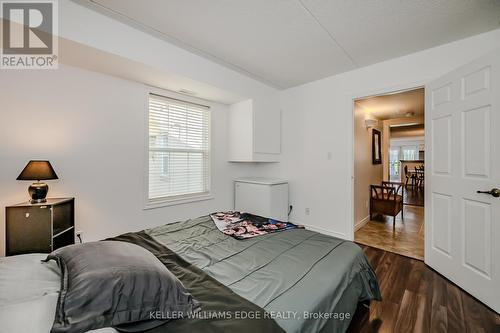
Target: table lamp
38,170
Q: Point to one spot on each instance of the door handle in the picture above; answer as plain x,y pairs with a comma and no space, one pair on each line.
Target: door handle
494,192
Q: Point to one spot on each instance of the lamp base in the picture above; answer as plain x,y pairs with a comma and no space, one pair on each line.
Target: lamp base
36,201
38,192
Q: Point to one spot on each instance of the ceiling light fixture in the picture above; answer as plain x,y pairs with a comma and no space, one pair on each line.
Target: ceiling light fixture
370,121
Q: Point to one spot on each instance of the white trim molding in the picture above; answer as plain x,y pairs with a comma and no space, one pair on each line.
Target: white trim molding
177,201
360,224
326,232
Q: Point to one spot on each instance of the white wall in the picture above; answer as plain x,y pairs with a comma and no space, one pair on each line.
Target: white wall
318,128
92,128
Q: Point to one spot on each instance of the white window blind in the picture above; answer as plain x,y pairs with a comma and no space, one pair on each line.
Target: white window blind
179,149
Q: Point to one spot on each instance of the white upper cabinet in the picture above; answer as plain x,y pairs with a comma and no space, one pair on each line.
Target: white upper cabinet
255,131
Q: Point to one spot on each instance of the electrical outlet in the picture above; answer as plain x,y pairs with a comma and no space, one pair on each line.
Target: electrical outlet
308,211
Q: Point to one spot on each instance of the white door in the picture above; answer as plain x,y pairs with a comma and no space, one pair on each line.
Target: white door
462,128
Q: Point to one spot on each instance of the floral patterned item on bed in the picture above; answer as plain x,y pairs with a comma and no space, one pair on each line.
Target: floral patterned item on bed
243,225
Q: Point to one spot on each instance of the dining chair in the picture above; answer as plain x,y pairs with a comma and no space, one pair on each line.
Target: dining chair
386,200
420,175
409,176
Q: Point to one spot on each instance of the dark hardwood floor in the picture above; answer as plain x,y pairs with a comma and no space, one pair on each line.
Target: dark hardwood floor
413,196
417,299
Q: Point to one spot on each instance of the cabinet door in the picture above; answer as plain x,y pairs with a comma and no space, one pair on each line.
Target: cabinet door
28,230
240,132
267,126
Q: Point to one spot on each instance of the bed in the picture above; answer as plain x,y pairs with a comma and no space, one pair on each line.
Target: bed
307,282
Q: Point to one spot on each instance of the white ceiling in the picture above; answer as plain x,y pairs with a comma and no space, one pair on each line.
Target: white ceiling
290,42
396,105
76,54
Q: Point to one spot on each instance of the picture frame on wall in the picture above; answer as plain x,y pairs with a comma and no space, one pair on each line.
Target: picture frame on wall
376,147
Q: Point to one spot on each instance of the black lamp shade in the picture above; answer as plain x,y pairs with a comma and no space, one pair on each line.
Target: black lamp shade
38,170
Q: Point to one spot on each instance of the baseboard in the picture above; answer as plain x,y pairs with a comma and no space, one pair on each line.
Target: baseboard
362,223
325,231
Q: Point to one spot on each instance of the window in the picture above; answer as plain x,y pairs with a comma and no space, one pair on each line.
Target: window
410,152
179,149
394,161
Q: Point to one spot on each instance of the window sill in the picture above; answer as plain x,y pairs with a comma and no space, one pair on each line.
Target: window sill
177,201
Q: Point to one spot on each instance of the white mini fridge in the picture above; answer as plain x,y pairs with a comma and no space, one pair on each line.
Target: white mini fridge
262,196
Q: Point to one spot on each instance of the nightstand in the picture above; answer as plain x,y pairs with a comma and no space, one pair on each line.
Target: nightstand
41,227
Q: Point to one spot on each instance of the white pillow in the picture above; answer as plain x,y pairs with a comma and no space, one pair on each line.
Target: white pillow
28,293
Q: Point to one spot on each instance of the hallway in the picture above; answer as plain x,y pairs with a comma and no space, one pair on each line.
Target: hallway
407,237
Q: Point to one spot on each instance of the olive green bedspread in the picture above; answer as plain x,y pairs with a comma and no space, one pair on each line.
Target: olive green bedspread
307,282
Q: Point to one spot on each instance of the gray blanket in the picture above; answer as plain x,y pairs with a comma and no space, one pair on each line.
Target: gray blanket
307,281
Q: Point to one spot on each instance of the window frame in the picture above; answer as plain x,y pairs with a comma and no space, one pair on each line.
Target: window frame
177,199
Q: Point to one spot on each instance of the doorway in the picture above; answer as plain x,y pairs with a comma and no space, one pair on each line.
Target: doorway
389,177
